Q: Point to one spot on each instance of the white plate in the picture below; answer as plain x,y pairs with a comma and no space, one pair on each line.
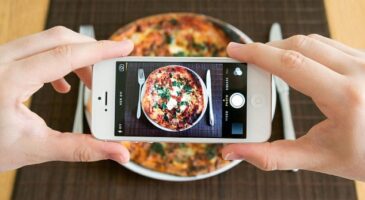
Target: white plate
168,177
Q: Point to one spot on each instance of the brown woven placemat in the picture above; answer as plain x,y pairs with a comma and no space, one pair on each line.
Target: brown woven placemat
108,180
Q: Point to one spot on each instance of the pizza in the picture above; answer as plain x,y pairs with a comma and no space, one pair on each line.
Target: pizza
181,159
173,97
175,35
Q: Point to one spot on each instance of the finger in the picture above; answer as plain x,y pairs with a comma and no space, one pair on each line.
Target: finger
302,73
40,42
54,64
85,74
338,45
334,59
278,155
61,85
84,148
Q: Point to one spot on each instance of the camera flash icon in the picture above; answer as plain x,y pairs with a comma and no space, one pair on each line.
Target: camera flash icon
237,71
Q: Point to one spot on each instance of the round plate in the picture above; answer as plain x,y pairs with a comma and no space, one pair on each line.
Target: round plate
231,31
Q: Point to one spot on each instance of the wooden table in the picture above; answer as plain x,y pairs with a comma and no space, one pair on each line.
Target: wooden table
23,17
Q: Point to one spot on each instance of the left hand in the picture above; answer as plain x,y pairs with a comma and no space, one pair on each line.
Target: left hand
25,65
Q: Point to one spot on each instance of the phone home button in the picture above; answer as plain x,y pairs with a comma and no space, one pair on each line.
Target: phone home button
257,101
237,100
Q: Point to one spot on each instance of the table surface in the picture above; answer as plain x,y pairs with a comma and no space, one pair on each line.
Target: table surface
32,20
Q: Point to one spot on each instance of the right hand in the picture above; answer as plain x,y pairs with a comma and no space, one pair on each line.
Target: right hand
333,75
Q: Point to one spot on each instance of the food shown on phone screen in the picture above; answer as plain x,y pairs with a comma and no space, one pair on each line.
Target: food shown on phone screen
173,98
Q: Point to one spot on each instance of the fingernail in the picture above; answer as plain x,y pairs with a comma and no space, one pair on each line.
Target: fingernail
121,158
127,43
127,46
125,157
232,156
68,88
234,45
123,161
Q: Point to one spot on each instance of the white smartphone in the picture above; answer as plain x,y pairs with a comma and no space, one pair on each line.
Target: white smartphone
180,99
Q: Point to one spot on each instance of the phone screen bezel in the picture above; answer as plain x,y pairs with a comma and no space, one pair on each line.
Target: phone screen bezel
258,127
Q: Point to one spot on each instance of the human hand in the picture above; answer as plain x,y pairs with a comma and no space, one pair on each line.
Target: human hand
25,65
333,75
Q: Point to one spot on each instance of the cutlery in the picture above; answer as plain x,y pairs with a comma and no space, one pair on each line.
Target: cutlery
78,125
283,91
209,92
141,80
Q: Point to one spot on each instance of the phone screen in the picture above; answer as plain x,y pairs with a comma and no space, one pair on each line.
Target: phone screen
175,99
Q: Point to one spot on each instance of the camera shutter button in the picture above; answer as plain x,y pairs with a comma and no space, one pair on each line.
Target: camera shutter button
237,100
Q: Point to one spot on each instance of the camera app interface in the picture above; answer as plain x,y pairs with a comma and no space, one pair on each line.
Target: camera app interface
179,99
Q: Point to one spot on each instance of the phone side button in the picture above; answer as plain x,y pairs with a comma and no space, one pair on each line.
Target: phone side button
257,101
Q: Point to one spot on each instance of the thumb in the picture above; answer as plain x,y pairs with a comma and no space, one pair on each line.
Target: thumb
278,155
85,148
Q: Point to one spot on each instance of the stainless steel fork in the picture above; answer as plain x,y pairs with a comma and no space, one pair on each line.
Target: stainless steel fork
141,80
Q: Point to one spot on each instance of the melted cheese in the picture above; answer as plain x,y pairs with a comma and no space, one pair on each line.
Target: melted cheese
173,48
175,90
171,104
137,37
186,97
182,108
155,98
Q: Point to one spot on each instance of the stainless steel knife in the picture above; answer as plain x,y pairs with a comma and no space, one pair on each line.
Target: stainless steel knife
209,92
283,90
